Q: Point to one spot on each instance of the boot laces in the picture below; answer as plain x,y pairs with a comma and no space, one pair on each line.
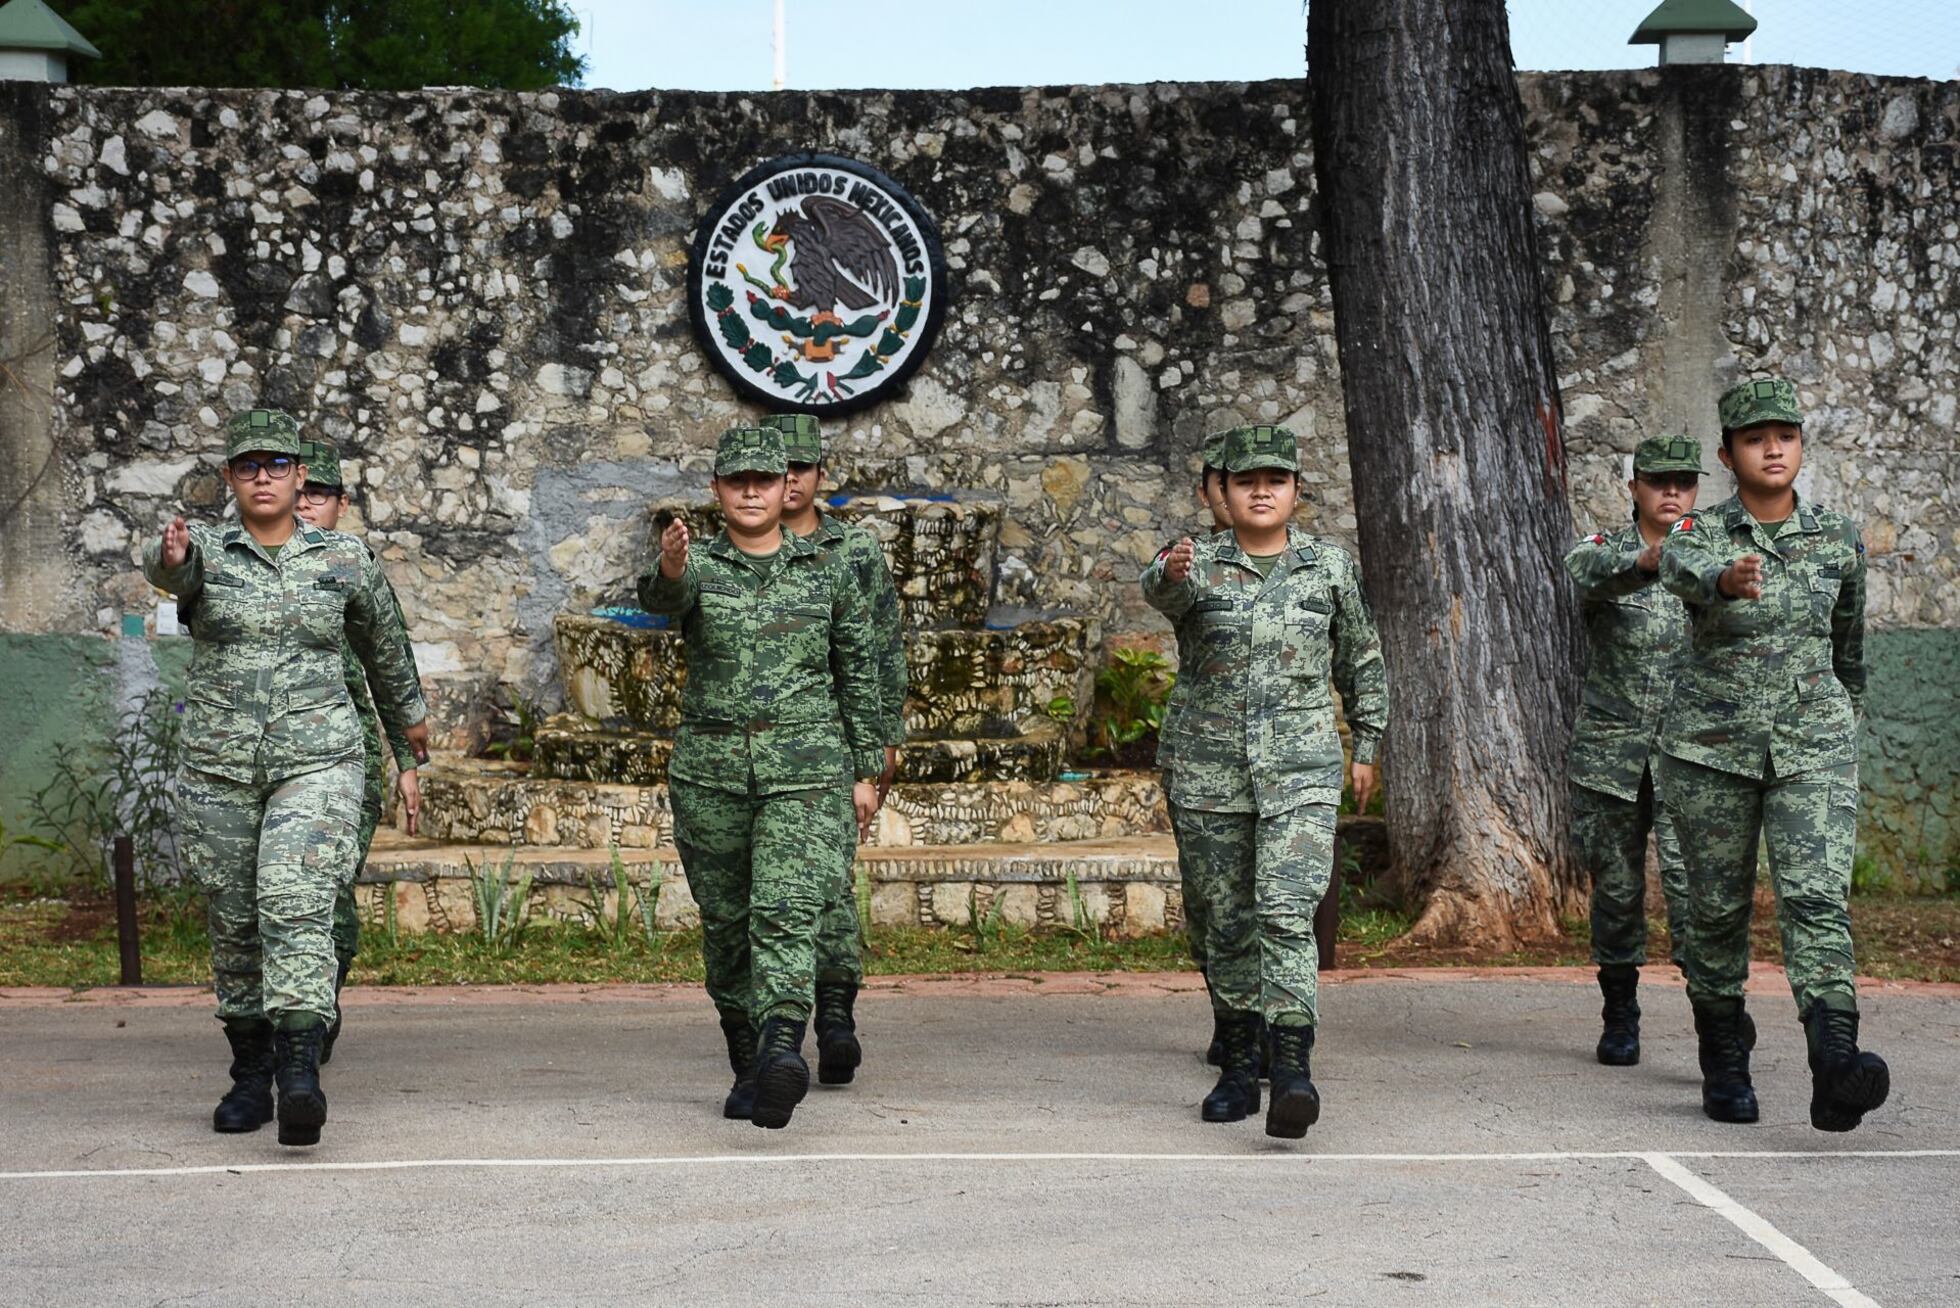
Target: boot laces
833,1006
1837,1034
1290,1046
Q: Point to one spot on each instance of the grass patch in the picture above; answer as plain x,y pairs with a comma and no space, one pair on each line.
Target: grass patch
72,944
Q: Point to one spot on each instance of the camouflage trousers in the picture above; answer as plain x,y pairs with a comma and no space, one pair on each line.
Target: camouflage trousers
1609,834
346,917
761,867
1261,878
1810,824
270,858
840,936
1190,886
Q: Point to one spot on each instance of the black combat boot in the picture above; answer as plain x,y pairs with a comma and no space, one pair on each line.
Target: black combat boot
1215,1051
296,1064
740,1104
1236,1096
333,1028
247,1106
1619,1037
782,1078
1726,1092
1295,1104
838,1050
1845,1082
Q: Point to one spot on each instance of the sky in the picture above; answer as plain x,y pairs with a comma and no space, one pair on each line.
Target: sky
724,45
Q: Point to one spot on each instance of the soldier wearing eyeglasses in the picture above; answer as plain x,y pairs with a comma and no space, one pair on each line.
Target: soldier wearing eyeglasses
269,794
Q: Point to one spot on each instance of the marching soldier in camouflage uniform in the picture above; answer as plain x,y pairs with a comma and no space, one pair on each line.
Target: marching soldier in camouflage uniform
270,790
840,945
1637,632
779,715
1273,612
321,502
1761,743
1211,499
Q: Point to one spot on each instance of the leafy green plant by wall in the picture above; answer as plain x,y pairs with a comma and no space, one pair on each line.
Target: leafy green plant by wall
1132,692
515,736
84,806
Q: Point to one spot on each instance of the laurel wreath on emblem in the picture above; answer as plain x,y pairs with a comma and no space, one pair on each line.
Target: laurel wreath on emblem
806,332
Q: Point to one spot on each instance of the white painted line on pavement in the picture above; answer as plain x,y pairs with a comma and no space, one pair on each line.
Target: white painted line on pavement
1757,1228
732,1160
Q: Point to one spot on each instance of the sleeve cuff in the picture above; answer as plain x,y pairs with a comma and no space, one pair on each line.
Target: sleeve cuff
868,764
1366,748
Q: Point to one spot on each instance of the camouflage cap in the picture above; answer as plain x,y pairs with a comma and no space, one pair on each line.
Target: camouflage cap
322,464
1247,448
750,449
266,431
1667,454
1770,399
1215,450
802,436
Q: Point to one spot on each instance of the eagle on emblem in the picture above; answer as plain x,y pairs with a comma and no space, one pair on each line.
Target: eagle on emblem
829,243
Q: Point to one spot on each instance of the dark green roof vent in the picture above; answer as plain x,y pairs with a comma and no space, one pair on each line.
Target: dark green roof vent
1694,31
36,43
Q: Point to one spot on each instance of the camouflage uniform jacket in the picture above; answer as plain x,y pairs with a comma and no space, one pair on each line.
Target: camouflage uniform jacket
1775,682
1638,635
861,554
357,690
1255,733
267,690
761,706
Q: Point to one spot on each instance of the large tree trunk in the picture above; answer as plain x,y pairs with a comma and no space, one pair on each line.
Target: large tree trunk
1456,445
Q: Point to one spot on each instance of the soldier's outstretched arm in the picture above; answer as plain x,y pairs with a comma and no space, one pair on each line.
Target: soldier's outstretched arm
1603,571
1359,672
671,595
1691,563
1848,625
854,660
1170,582
379,639
178,541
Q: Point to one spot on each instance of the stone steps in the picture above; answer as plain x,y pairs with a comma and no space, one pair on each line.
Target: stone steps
965,681
479,802
572,748
1125,884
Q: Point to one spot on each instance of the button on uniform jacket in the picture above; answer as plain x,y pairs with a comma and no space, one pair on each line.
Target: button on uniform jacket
1638,634
1775,682
1254,732
761,706
267,692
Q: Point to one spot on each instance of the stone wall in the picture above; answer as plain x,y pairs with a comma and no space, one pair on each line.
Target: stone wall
480,295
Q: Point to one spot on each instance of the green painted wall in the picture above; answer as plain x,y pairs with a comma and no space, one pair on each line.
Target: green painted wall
58,695
1909,768
56,699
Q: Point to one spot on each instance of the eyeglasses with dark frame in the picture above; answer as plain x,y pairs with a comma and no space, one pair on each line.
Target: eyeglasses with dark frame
320,494
278,467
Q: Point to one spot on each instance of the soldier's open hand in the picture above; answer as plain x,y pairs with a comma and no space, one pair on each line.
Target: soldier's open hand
673,550
417,737
864,798
410,786
1743,579
176,543
1365,779
1177,564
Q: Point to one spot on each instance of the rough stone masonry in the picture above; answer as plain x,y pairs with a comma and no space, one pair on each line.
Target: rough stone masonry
480,296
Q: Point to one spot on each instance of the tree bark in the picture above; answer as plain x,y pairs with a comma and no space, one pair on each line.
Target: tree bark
1456,445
